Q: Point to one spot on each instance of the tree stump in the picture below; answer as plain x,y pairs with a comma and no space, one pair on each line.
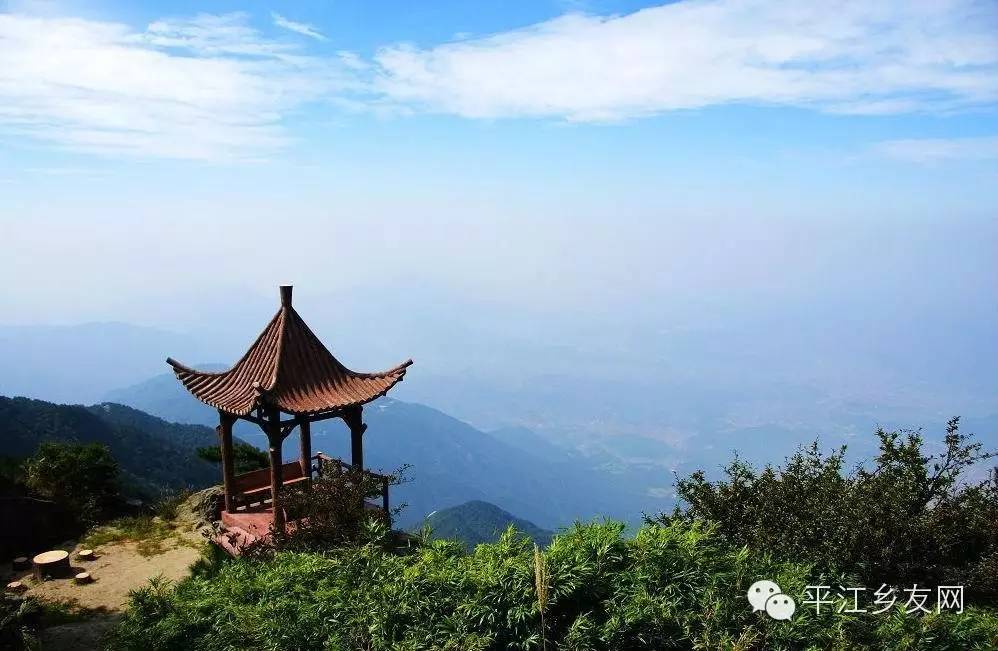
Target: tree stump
83,577
20,563
52,564
85,555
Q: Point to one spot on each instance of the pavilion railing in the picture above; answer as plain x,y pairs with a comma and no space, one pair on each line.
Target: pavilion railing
327,464
252,489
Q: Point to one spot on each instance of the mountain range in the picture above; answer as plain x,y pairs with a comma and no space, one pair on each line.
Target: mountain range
598,423
450,462
157,456
639,395
154,455
78,364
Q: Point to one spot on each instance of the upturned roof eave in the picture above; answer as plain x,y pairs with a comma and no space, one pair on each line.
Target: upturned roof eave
287,367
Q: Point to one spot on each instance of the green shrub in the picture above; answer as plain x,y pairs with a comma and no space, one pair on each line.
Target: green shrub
673,586
168,506
19,621
245,457
332,512
909,517
83,477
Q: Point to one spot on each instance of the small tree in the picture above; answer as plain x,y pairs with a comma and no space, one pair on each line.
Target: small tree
908,516
245,457
334,512
84,477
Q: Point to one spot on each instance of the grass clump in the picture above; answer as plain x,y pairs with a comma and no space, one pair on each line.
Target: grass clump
168,508
151,533
19,623
674,585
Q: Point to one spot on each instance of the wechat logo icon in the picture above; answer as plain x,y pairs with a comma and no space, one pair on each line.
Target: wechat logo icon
766,595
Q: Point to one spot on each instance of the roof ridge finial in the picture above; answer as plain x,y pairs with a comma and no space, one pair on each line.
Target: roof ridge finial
286,295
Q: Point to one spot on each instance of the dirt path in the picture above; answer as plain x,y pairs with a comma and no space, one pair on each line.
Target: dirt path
118,569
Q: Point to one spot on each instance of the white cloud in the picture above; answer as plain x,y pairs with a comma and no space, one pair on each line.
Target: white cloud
301,28
212,35
848,57
213,87
939,150
209,87
66,171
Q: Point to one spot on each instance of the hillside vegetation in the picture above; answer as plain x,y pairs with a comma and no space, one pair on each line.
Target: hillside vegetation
675,586
679,583
477,522
154,456
914,514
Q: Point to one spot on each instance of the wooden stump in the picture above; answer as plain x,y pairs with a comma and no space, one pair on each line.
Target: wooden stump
20,563
85,555
16,586
83,577
52,564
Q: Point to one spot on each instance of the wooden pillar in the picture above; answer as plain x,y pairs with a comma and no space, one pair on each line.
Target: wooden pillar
225,422
305,438
354,418
274,439
357,448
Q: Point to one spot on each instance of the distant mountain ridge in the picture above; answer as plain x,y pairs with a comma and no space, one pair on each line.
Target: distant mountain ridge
162,396
477,522
78,364
452,461
154,455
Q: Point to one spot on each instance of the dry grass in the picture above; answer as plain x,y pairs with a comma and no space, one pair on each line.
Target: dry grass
150,533
542,582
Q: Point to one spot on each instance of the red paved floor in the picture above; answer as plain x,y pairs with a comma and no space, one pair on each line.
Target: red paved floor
255,523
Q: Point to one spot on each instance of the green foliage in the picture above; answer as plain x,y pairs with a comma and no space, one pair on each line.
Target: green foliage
81,476
245,457
168,506
152,534
332,513
907,518
154,456
19,621
673,586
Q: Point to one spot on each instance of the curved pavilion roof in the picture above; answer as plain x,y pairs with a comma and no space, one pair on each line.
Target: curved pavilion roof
289,368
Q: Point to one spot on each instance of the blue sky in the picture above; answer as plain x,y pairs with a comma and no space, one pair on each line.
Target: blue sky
535,152
745,212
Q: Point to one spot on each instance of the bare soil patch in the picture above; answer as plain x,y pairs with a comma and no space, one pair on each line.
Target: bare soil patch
85,613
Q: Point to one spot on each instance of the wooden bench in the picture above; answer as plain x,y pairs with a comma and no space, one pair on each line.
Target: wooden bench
254,487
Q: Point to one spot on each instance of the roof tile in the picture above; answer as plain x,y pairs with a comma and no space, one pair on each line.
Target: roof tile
289,368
